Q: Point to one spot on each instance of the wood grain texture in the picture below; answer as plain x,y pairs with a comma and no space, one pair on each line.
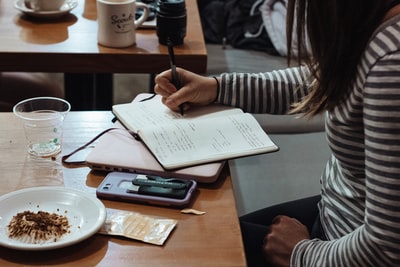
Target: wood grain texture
212,239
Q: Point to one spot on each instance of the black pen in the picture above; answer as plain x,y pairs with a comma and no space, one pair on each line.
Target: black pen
175,78
158,183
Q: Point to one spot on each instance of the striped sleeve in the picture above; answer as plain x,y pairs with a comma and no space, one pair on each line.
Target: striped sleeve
272,92
382,155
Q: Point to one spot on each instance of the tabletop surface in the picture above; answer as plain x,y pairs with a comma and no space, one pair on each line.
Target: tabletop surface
69,44
212,239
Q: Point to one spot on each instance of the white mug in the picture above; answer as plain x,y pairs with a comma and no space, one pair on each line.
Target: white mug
116,22
45,5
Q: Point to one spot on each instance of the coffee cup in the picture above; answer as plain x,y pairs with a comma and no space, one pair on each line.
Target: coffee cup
117,22
45,5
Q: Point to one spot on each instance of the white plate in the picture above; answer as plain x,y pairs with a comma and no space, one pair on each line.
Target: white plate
65,9
86,214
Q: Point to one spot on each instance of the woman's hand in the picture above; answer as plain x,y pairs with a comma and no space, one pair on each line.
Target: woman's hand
195,90
284,234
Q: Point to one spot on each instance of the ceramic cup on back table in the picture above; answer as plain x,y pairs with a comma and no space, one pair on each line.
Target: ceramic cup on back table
45,5
117,22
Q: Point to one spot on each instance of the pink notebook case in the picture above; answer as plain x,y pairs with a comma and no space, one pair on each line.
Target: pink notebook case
118,151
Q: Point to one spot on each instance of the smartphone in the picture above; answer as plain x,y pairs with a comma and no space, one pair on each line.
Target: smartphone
146,189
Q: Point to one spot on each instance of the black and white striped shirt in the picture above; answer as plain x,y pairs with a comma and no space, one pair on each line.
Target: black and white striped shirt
360,206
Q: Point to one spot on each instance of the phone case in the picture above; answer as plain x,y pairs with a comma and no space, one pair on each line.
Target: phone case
119,186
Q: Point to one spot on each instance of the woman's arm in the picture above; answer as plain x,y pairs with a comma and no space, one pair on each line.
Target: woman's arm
271,92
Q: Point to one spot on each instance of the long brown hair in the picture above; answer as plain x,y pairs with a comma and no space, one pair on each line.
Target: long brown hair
338,32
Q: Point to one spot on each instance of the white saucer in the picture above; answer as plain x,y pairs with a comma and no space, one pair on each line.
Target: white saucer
65,9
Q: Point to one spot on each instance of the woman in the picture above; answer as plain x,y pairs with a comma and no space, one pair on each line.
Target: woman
353,77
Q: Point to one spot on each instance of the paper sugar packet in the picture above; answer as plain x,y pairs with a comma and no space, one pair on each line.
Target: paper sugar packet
137,226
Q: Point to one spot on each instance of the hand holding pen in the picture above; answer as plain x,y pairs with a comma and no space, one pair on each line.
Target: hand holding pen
175,77
194,89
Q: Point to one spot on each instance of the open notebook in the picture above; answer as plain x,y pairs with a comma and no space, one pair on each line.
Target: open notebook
117,150
202,135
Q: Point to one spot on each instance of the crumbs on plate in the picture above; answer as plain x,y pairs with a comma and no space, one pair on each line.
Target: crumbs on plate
38,228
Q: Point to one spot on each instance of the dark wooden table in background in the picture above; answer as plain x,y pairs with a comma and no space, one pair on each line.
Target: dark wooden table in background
69,45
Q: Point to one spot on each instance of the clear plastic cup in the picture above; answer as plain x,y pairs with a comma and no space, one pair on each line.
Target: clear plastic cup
43,119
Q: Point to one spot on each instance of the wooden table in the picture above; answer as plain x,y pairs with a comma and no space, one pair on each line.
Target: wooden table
69,45
212,239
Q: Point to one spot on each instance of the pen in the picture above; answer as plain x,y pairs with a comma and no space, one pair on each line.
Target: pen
158,183
175,78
